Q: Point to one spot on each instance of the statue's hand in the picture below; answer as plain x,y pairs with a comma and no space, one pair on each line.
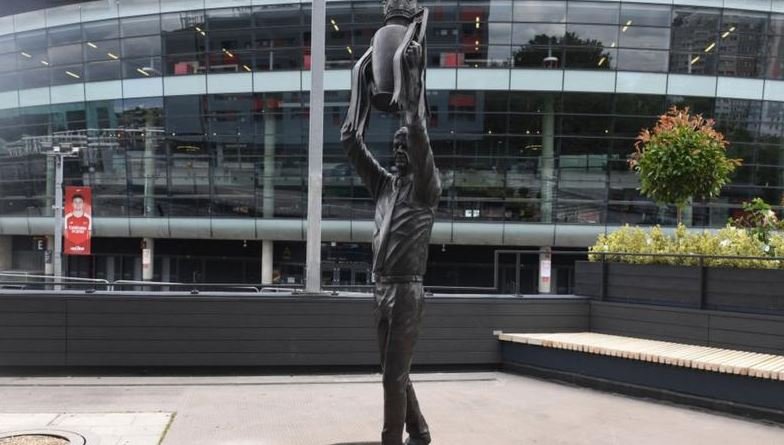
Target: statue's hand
414,55
415,64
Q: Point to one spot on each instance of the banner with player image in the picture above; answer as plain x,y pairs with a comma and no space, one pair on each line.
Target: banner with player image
78,228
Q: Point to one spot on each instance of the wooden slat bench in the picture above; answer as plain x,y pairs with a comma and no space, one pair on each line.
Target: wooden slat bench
766,366
740,382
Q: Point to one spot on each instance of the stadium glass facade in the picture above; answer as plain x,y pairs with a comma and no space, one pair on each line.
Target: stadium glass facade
193,119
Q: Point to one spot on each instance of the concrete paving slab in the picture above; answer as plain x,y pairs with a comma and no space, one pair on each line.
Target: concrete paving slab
462,409
118,428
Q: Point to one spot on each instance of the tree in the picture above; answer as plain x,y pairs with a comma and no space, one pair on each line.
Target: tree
581,53
682,157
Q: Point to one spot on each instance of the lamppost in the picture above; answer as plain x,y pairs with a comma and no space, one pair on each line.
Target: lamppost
59,159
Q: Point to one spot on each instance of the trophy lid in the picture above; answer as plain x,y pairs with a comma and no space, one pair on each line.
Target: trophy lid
400,8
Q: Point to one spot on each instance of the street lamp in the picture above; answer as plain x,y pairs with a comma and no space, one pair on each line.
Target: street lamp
59,153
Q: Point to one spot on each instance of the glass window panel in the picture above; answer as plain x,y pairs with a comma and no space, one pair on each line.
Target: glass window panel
7,43
141,46
535,56
587,103
30,20
645,37
740,66
61,55
441,34
776,24
183,64
140,26
499,34
66,74
644,15
339,38
592,12
591,35
141,68
8,62
188,41
229,61
642,60
183,21
696,62
537,33
365,12
8,81
34,78
106,29
31,40
97,71
103,50
485,11
231,40
775,68
694,29
65,34
540,11
639,105
699,105
590,57
744,21
228,18
775,47
277,15
34,58
278,37
751,45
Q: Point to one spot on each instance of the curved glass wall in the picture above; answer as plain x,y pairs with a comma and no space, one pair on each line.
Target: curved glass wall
243,155
478,34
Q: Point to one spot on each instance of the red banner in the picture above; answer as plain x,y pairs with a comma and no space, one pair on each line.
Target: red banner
78,228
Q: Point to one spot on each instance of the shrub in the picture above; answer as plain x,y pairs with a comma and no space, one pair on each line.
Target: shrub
759,219
730,241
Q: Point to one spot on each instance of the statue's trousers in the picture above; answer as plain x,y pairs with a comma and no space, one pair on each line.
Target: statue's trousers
399,308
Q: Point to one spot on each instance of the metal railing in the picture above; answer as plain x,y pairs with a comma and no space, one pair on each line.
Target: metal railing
508,278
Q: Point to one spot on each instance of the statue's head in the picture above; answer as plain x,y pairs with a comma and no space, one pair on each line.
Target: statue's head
400,150
400,8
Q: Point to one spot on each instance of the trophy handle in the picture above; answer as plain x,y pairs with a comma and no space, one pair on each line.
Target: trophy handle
415,33
359,104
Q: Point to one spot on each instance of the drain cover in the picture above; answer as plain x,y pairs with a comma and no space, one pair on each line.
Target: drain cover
41,437
34,439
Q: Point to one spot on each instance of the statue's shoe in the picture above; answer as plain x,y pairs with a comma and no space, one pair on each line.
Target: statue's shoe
413,441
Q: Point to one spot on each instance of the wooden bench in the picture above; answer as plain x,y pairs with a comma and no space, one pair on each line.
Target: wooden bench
739,382
753,364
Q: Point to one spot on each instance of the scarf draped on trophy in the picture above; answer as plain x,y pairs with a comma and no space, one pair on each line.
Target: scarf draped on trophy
384,77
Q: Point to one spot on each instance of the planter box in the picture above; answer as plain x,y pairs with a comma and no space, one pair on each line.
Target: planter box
730,289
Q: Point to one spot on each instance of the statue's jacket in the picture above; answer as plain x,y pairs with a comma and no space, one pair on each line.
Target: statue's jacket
405,205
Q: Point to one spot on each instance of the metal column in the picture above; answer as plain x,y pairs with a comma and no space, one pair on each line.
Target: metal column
57,257
315,146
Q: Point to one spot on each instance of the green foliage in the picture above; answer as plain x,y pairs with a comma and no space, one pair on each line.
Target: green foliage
686,247
759,219
681,158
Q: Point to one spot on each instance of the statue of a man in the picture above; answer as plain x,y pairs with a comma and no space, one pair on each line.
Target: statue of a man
406,200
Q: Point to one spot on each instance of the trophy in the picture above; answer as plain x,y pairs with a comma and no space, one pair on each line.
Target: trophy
383,77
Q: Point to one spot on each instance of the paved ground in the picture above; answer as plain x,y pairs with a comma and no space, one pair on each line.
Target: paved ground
463,409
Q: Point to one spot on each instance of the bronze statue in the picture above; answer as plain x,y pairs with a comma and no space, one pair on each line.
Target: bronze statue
390,76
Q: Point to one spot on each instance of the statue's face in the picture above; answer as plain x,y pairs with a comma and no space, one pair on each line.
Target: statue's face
400,151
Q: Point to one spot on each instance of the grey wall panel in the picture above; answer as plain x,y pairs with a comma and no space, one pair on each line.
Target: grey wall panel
229,330
748,332
32,332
